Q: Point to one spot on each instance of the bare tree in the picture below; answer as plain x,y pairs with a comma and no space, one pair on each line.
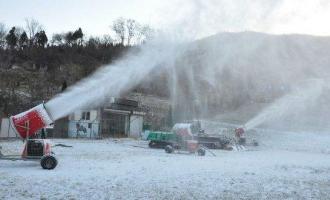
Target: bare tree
119,28
145,33
58,39
107,40
32,27
94,42
131,26
18,31
3,32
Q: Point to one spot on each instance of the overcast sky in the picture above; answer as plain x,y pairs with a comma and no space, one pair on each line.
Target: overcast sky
199,17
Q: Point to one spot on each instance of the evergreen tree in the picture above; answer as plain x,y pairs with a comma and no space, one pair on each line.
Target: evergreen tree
11,38
68,38
41,38
23,40
3,34
77,36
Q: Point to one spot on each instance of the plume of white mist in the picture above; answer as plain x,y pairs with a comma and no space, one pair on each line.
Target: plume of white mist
301,98
112,80
207,17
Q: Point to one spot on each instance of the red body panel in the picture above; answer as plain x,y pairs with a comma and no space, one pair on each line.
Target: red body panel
28,124
239,132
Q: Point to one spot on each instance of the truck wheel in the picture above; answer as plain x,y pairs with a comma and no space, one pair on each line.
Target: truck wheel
48,162
213,146
169,149
152,144
242,141
255,143
201,152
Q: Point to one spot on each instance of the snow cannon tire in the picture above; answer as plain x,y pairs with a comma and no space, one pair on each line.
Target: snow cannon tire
169,149
201,152
48,162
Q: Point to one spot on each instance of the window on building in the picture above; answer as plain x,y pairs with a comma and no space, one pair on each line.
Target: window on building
86,116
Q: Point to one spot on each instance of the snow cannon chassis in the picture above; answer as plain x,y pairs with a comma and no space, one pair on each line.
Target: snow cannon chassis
35,150
190,147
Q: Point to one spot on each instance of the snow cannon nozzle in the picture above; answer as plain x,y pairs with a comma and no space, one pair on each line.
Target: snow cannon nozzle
239,132
28,123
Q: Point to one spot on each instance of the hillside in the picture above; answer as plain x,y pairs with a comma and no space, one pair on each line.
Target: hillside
244,72
214,77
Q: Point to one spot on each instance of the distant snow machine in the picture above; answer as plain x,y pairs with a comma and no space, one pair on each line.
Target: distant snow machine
27,125
184,141
239,134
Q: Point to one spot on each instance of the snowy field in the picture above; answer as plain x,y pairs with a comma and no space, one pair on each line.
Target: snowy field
285,166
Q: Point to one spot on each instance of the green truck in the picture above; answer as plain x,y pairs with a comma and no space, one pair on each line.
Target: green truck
182,132
159,139
180,140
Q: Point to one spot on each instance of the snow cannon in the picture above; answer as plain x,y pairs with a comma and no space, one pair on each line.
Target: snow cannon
28,123
184,140
239,133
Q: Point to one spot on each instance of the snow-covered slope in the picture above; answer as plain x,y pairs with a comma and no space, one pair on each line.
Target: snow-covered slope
128,169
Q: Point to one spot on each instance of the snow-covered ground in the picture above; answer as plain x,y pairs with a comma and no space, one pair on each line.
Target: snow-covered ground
285,166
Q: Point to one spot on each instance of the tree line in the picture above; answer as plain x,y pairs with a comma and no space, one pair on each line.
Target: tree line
126,32
35,66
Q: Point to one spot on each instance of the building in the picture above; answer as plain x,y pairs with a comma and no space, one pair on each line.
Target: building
118,118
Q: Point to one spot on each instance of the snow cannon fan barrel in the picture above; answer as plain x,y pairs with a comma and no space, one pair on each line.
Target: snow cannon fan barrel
28,123
239,132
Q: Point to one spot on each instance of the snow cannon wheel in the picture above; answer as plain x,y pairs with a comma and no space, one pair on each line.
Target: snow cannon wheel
201,152
48,162
169,149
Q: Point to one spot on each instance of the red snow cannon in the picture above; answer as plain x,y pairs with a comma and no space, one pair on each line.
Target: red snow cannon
239,132
28,123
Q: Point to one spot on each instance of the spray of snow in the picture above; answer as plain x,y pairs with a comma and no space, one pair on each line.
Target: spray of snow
294,102
113,80
227,69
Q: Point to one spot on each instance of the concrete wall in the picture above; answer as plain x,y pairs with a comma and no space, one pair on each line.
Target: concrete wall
60,128
78,127
6,130
136,125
